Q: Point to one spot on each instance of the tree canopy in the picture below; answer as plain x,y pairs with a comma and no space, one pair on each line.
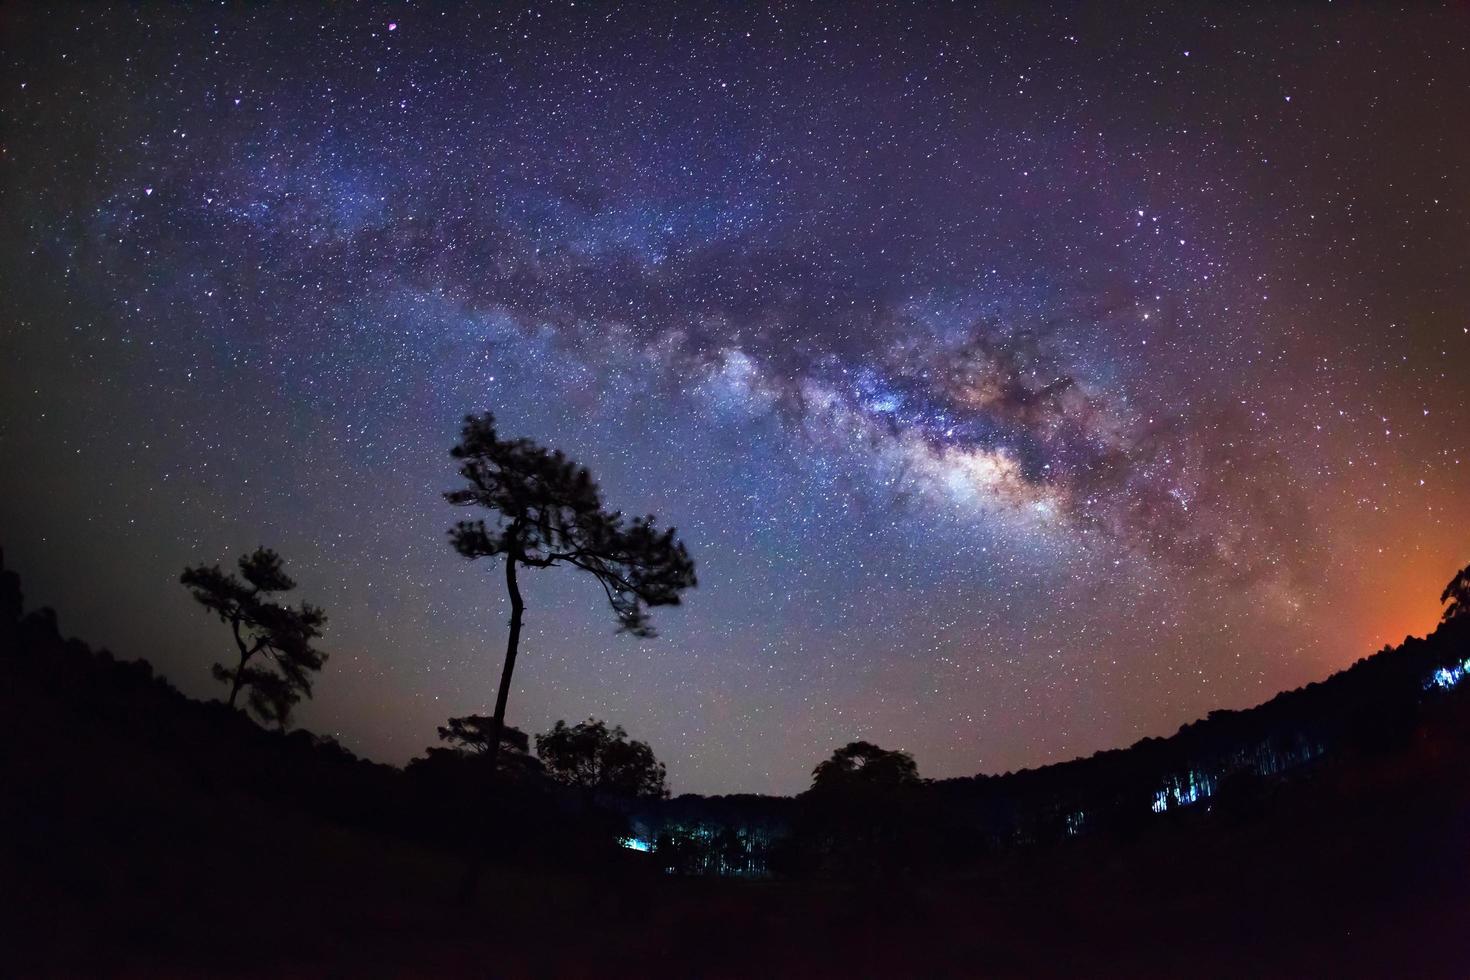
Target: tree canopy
277,658
1457,595
549,511
472,734
601,759
467,748
863,765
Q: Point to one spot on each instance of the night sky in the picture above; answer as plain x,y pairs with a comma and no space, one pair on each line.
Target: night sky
1023,382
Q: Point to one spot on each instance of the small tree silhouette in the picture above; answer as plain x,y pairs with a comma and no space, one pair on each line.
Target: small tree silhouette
471,735
860,812
548,512
279,636
601,760
468,740
1457,594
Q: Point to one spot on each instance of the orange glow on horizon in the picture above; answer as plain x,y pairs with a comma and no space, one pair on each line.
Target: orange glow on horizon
1403,604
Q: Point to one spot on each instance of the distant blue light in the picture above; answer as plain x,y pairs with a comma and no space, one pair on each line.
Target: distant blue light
1192,788
1447,677
635,844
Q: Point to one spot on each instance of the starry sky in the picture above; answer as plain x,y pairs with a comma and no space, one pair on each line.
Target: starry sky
1024,380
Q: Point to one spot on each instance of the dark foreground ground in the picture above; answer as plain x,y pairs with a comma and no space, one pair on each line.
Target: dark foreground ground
1361,872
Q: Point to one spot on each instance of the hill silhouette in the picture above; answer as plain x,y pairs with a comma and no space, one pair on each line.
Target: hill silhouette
154,834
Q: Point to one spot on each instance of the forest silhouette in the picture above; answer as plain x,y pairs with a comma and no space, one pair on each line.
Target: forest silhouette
150,817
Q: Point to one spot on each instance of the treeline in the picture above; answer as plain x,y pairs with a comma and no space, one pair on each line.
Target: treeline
869,811
1228,758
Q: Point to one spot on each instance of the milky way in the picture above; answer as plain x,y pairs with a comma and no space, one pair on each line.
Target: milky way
1023,383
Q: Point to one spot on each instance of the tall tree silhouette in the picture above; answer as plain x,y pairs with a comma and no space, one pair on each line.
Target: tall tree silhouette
1457,594
548,511
274,641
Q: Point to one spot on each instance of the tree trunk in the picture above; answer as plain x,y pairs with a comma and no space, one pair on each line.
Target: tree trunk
469,885
517,608
240,669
